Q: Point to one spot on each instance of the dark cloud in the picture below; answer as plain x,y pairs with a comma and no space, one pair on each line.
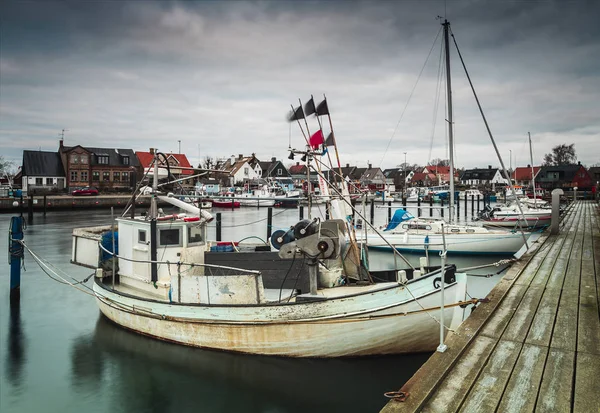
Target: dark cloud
219,75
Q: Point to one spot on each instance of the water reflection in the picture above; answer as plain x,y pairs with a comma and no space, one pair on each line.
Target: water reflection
15,355
151,375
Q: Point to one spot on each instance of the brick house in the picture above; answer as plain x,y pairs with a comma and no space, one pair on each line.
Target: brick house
107,169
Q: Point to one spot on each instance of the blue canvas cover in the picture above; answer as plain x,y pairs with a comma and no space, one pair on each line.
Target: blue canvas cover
400,215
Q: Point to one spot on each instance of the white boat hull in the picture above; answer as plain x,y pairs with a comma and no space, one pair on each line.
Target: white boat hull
385,319
500,243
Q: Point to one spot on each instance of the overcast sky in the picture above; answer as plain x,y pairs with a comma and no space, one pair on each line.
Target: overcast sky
220,77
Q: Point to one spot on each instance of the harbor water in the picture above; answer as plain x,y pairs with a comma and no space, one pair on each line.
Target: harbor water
59,354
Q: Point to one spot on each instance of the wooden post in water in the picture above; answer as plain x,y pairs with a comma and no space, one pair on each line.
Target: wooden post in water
15,252
442,208
478,209
372,211
430,206
472,206
389,211
30,209
45,204
218,226
301,213
466,205
457,200
269,221
418,206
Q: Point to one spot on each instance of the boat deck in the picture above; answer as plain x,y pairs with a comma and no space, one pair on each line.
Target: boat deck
536,345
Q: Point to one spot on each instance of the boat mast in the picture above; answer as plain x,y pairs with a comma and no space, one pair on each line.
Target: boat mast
153,215
446,25
532,170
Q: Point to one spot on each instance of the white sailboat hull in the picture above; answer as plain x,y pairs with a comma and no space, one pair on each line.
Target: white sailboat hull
379,319
500,243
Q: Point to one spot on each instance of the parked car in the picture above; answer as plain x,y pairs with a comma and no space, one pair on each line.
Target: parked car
88,190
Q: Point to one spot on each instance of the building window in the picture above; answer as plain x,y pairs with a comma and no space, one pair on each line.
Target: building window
49,181
125,177
39,181
126,160
84,176
95,176
279,172
116,176
246,171
83,158
106,176
169,237
103,159
74,158
74,176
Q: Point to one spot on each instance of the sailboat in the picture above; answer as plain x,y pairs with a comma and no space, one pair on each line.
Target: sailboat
522,211
156,275
408,233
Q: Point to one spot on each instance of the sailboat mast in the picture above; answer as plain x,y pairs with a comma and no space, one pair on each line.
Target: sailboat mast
446,25
153,216
532,170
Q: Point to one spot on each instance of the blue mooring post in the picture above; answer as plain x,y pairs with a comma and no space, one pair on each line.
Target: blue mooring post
15,251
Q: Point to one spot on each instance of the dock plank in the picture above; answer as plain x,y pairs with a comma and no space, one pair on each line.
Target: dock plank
556,394
521,392
589,325
540,332
587,396
451,393
521,321
488,389
503,314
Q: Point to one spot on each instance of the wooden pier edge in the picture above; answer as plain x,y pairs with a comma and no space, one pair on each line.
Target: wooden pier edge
434,371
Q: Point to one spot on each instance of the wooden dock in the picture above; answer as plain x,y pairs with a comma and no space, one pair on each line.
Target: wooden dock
536,345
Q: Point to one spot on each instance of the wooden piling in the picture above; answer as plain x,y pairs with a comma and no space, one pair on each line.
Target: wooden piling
218,226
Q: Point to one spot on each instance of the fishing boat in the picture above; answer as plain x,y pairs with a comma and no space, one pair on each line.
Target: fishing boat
153,275
407,233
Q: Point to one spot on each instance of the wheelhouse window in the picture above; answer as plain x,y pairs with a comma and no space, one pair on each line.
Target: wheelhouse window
195,234
141,236
171,236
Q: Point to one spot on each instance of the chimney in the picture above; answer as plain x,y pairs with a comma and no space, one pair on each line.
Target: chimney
241,155
528,165
489,166
232,160
61,144
347,165
273,159
370,166
297,163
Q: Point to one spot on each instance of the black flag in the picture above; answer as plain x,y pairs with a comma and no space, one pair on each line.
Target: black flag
322,109
329,140
296,114
309,107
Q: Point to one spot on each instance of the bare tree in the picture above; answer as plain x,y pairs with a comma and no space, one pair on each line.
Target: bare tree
5,166
207,163
561,155
439,162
